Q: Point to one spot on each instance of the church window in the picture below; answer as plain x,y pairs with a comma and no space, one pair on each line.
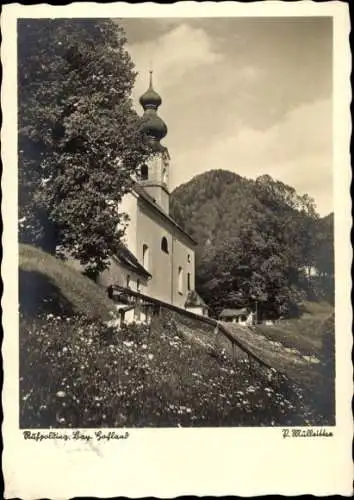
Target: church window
128,280
144,172
146,257
189,281
164,175
164,245
138,285
189,257
180,280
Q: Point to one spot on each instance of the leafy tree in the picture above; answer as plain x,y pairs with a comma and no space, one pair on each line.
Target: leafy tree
255,239
79,140
324,257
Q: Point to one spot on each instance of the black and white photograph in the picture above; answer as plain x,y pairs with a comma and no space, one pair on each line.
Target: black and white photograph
176,224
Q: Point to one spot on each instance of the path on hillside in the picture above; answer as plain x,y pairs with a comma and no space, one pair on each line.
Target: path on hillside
301,369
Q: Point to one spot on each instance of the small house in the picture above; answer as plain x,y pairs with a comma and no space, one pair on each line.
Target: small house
241,316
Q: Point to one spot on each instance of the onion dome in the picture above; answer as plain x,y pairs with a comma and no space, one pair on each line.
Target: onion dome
150,99
151,124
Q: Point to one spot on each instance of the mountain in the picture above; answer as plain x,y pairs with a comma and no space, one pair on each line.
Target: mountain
258,241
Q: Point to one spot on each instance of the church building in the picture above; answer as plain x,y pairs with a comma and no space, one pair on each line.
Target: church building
156,257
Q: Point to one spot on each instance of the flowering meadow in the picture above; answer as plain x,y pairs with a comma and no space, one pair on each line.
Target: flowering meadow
79,372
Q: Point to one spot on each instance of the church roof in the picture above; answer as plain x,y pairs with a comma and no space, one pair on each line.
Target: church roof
127,258
233,313
147,198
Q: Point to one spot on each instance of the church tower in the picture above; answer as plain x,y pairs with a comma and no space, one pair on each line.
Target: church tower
155,173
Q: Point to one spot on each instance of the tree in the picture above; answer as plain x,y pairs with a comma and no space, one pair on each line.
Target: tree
254,240
79,140
324,258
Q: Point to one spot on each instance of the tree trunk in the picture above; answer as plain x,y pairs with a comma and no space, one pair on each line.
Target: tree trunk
49,240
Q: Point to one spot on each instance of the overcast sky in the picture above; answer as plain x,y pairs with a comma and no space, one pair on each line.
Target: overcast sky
249,95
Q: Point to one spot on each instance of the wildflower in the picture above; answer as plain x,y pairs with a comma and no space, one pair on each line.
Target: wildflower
61,394
65,349
150,356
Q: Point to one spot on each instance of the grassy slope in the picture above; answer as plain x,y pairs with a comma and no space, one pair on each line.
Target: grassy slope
49,285
78,375
305,333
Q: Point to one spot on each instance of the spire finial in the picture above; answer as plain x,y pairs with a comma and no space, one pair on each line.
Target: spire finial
151,72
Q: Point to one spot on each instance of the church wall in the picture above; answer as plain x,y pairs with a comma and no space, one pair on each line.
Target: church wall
118,275
164,284
181,251
159,194
150,231
129,205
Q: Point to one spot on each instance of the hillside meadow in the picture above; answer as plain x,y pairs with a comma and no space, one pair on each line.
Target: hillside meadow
77,370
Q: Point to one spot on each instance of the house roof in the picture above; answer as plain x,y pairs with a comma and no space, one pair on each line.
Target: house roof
140,191
128,259
194,300
232,313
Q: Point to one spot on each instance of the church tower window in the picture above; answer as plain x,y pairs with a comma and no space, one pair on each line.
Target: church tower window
144,172
138,285
128,280
164,244
146,257
188,281
180,280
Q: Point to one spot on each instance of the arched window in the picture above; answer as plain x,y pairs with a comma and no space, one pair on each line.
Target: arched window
164,175
128,280
164,245
146,257
189,257
180,280
144,172
138,285
188,281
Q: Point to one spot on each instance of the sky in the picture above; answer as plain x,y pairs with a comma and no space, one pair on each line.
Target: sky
249,95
